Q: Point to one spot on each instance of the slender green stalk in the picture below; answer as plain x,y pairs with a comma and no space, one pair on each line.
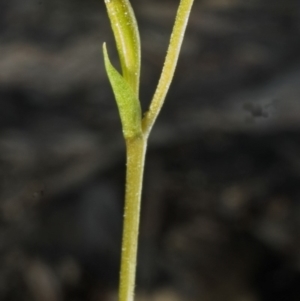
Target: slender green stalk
136,149
127,38
170,63
135,130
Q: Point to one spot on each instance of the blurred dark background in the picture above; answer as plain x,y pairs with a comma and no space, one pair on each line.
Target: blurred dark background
221,204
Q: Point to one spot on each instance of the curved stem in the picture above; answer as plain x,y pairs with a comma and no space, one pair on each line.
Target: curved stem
124,26
170,63
136,149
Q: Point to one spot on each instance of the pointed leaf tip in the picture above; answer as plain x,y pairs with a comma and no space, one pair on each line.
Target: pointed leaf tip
127,102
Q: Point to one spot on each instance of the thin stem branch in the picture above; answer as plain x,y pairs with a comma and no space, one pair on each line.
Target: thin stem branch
136,149
170,63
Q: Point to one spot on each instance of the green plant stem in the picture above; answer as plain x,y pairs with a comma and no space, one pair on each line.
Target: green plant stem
124,26
170,63
135,154
136,149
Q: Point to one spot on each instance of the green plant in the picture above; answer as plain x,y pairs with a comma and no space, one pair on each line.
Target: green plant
136,129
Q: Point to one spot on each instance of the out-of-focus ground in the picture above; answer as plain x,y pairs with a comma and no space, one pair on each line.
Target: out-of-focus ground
221,205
